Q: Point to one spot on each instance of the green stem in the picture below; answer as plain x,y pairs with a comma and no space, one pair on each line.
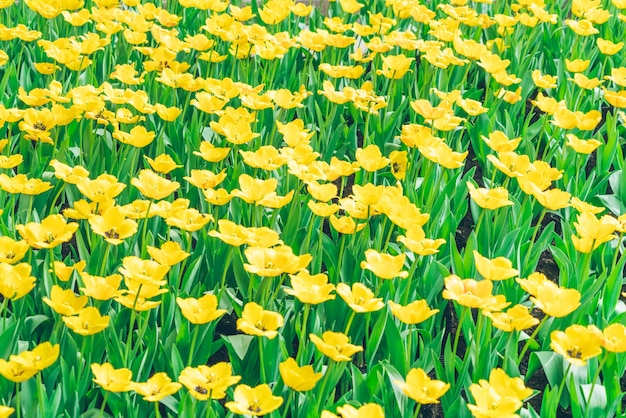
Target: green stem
131,326
407,291
104,260
323,385
18,400
458,329
192,347
144,231
157,413
562,385
40,394
288,404
352,315
262,360
104,402
417,410
477,345
303,339
531,338
596,376
619,244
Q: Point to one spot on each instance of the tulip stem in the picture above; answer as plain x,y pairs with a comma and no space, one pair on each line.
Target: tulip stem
531,338
288,404
107,250
302,342
535,231
261,359
458,329
104,402
41,395
596,375
617,248
18,400
562,385
350,322
131,326
331,363
5,301
192,347
417,410
145,230
157,413
407,291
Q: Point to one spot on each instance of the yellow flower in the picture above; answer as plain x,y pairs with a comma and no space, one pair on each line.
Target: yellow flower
398,162
208,382
101,288
205,179
64,272
413,313
335,345
16,280
554,300
255,401
300,379
582,146
189,219
498,268
516,318
272,262
607,47
266,157
259,322
163,163
15,371
113,225
499,142
88,322
110,379
370,158
421,388
146,272
384,266
544,81
473,294
615,98
138,137
210,153
395,66
39,358
491,199
253,190
12,251
553,199
614,338
105,187
577,65
65,302
153,186
22,184
359,298
581,27
311,289
493,400
200,311
416,241
369,410
156,388
345,224
169,254
577,343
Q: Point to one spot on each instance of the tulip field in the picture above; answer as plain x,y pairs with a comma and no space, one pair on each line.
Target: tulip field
354,208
